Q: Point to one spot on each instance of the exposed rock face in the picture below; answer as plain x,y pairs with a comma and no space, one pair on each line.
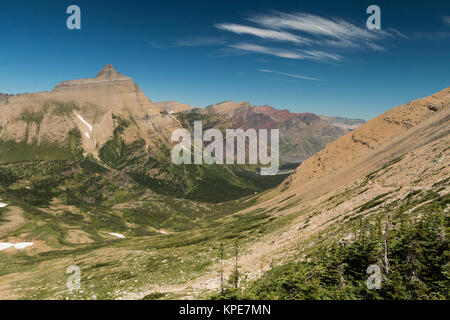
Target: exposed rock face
109,73
87,104
110,89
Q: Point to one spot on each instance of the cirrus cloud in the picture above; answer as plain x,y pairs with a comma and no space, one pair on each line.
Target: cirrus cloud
292,75
288,54
321,35
263,33
267,50
318,26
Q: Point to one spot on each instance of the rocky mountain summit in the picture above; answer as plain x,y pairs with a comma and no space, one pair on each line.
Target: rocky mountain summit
45,120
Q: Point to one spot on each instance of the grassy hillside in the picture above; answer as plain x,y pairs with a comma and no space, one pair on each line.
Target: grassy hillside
69,209
408,239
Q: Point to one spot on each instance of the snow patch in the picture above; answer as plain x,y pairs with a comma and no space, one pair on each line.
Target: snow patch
85,122
5,245
23,245
118,235
18,246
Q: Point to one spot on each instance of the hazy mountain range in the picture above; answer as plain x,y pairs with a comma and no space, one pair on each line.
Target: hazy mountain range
301,134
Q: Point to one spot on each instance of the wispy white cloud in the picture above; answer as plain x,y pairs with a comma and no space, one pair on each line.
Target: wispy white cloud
376,47
292,75
319,26
305,36
289,54
268,50
394,32
330,32
340,43
321,55
263,33
311,36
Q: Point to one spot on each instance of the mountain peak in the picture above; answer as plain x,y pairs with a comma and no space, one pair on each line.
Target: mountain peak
108,72
107,75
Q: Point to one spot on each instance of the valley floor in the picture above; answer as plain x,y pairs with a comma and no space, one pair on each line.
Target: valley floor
172,247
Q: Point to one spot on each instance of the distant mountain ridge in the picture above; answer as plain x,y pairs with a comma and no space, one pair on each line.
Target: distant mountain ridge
173,106
301,134
345,123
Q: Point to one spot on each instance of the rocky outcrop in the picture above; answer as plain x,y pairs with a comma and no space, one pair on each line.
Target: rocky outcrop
88,105
109,89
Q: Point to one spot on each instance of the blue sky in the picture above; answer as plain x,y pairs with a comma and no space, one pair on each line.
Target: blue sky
305,56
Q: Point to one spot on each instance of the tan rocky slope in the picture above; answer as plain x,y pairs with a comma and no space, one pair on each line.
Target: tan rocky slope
365,141
46,118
